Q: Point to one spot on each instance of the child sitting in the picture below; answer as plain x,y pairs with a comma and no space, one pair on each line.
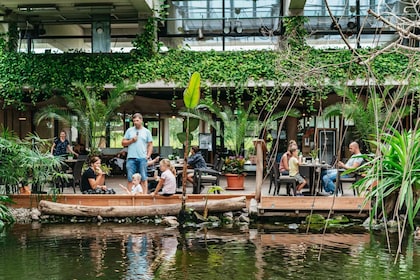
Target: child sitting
167,179
136,188
294,163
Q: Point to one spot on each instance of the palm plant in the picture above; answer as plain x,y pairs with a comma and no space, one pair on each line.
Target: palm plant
191,100
5,214
371,116
392,180
91,112
24,164
236,121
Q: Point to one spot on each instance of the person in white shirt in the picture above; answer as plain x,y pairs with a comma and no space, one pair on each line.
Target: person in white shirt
167,179
137,187
329,176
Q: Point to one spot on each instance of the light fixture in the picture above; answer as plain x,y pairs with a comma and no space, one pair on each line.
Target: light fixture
100,30
22,118
351,25
37,7
238,27
228,27
200,30
200,34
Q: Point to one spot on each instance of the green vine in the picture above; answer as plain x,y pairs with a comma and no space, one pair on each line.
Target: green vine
295,32
146,45
34,78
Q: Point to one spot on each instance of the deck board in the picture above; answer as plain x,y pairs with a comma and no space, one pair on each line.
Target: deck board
274,206
296,206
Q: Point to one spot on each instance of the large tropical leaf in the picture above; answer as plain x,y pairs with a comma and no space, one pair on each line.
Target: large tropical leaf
192,92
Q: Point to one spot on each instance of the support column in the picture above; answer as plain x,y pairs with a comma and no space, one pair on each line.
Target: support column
101,34
292,125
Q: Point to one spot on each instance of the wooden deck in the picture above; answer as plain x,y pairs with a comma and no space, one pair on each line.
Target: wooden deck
299,206
269,206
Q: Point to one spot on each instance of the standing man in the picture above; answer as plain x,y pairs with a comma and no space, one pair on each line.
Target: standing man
330,175
139,143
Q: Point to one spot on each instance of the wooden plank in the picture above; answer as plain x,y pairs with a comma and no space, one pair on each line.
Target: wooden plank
290,203
30,201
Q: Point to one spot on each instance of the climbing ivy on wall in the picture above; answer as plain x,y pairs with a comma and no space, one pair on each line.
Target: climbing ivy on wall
33,78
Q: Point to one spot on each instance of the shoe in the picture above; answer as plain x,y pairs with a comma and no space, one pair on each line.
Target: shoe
324,193
338,195
299,194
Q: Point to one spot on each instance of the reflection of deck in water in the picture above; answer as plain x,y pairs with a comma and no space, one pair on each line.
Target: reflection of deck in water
337,240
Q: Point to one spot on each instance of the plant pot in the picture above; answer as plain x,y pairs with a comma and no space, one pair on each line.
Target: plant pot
235,181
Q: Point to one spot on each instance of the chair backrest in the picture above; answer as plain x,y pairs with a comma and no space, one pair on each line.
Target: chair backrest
218,164
82,157
276,171
77,170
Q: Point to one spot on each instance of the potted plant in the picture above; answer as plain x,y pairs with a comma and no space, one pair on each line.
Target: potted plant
233,169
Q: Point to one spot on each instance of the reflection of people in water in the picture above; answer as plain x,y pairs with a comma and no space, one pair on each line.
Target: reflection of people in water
137,250
97,252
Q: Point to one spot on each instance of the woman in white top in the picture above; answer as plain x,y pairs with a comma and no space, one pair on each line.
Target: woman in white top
167,178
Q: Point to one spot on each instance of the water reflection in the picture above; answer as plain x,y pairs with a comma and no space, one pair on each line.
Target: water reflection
113,251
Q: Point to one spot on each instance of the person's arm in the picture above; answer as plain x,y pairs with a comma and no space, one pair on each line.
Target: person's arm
99,181
153,161
70,149
158,187
126,142
354,164
285,162
121,186
149,149
52,148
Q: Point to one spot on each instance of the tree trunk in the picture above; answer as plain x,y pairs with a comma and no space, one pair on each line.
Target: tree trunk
222,205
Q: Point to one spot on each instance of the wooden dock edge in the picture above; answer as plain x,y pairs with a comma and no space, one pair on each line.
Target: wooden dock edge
288,206
32,200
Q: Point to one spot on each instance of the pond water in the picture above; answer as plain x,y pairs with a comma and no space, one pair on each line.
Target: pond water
115,251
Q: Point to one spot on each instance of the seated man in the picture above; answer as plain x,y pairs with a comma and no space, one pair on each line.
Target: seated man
329,176
117,163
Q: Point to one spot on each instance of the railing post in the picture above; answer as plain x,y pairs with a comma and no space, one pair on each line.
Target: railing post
261,149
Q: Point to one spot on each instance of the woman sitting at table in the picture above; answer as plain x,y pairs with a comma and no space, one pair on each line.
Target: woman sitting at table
195,160
284,161
93,179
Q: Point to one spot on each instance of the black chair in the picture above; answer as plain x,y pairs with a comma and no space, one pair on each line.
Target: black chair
282,179
355,176
207,176
76,176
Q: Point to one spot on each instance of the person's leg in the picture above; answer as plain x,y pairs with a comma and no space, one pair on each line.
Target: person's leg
131,169
329,179
190,177
302,183
142,164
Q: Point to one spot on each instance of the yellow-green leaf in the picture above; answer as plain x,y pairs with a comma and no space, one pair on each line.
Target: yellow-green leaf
192,92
